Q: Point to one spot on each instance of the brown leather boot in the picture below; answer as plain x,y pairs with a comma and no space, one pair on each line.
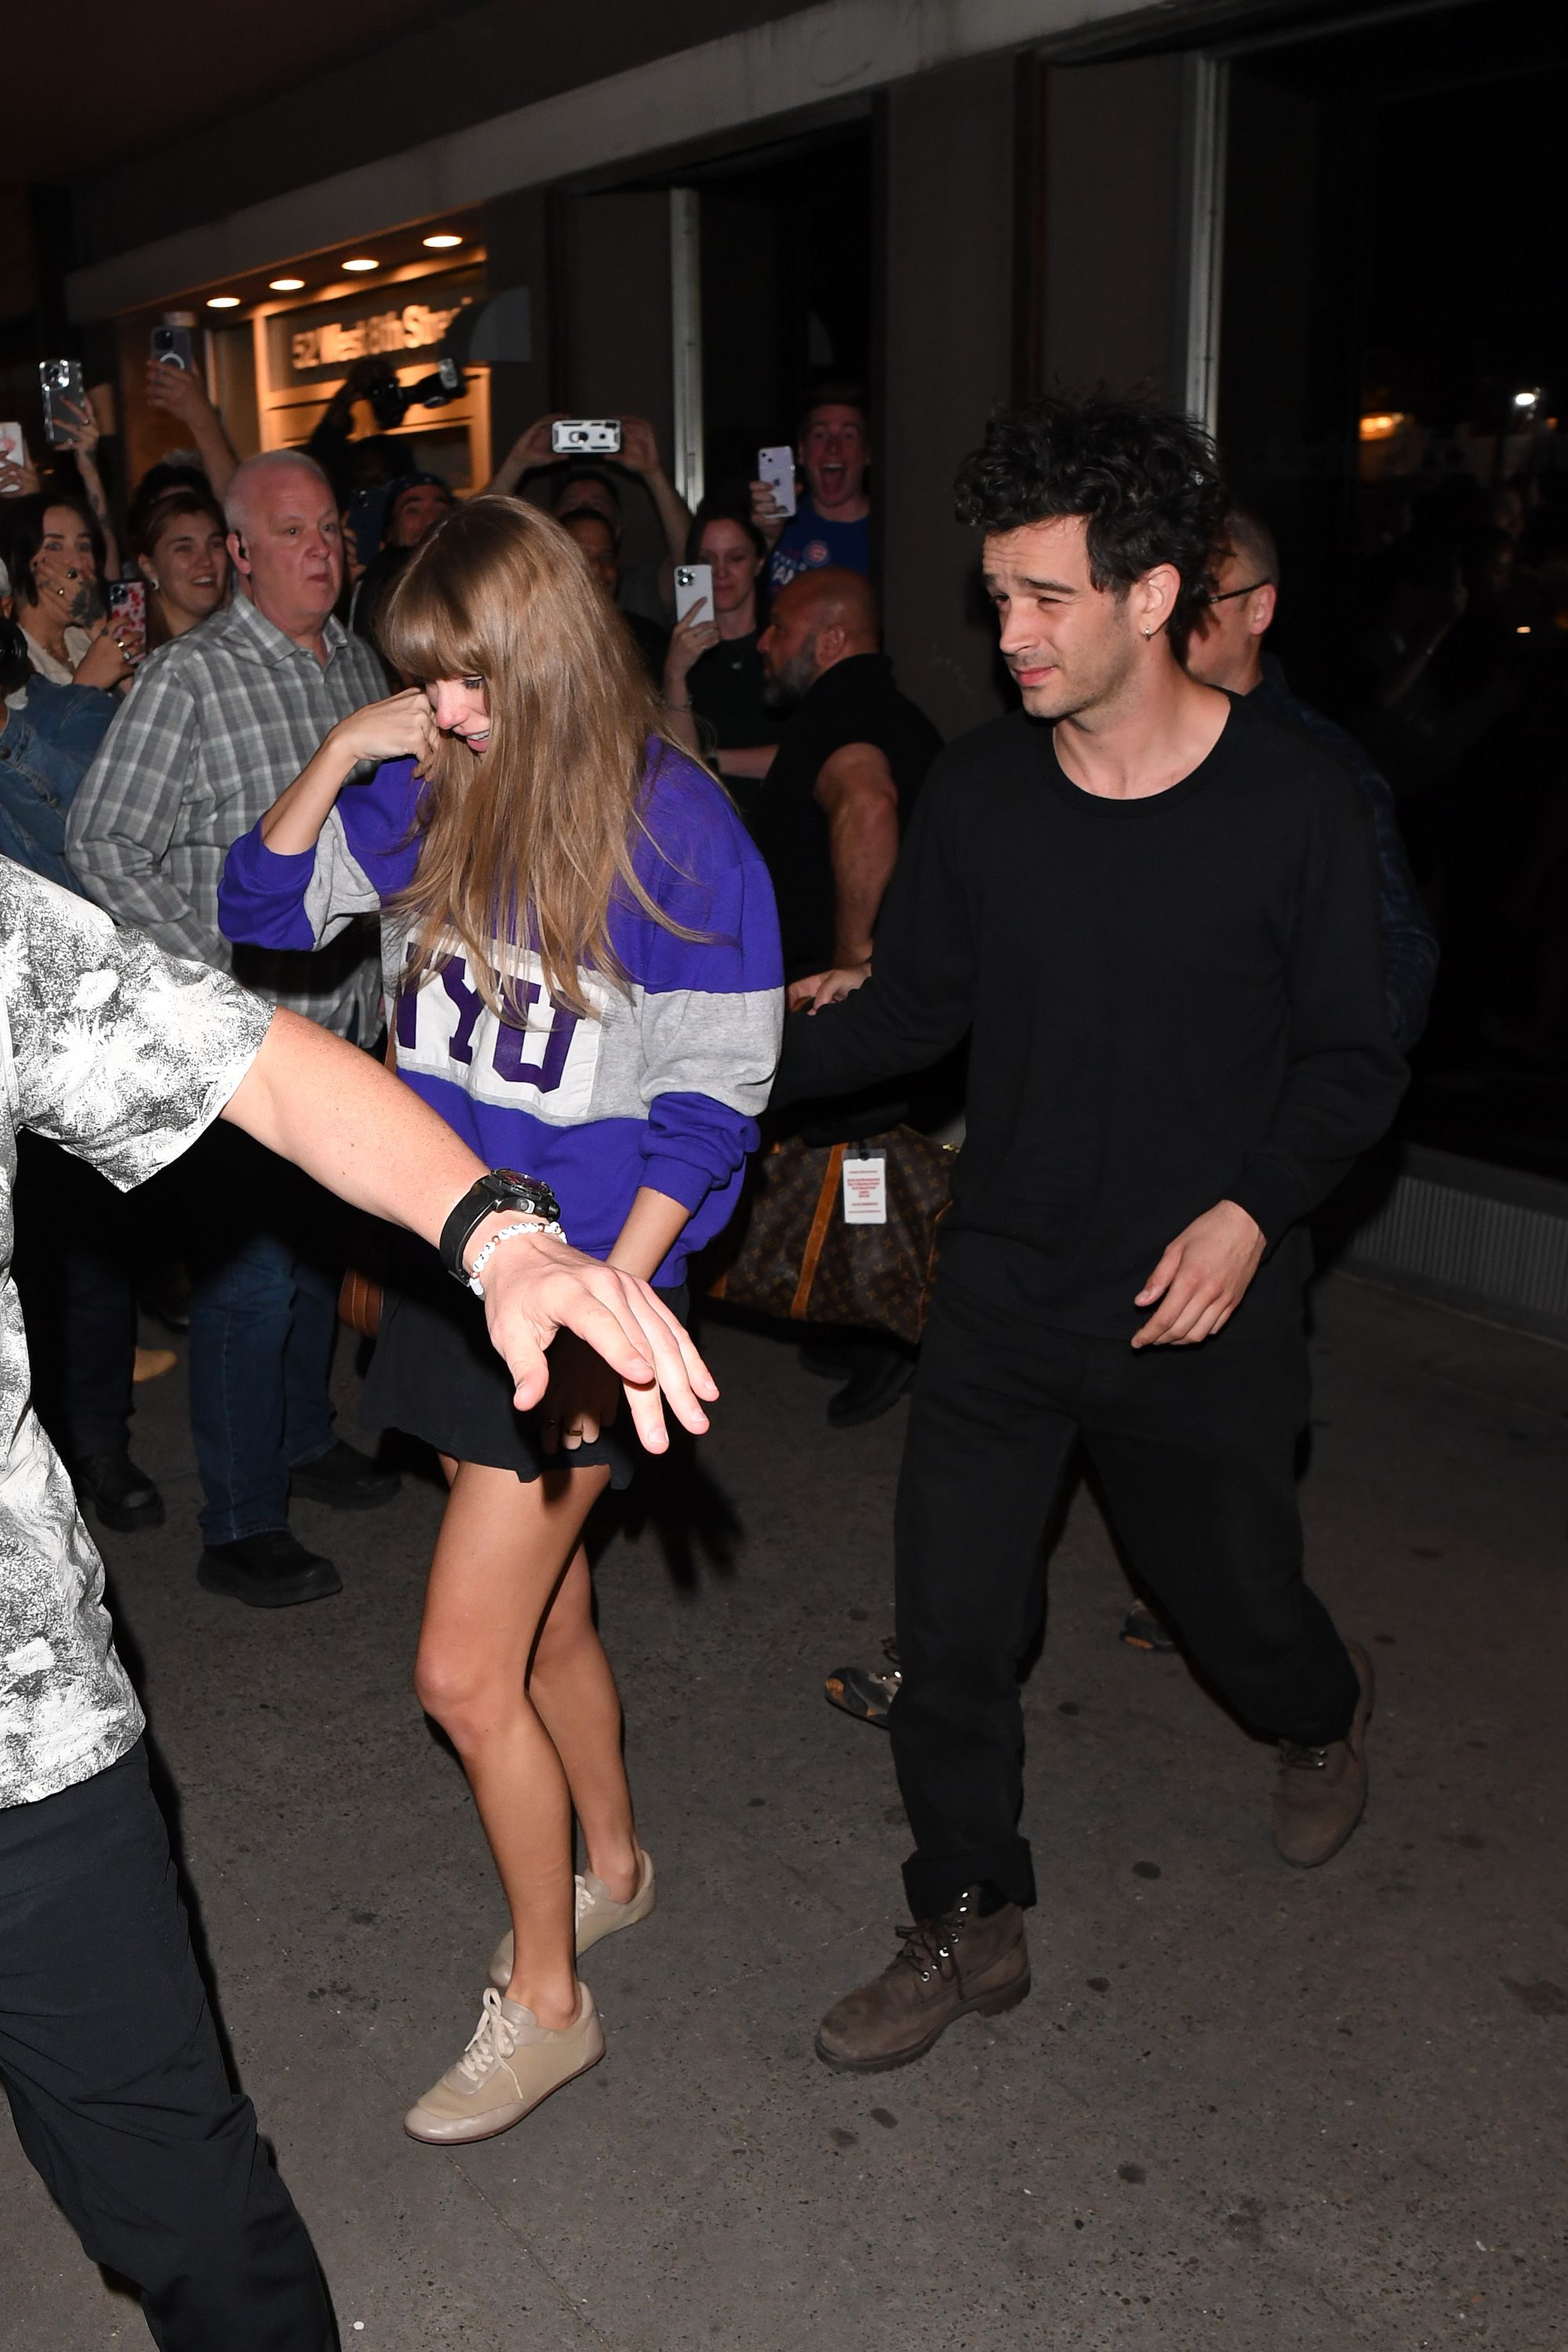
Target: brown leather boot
1321,1791
948,1967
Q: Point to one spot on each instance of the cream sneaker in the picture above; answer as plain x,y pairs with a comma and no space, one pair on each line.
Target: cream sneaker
511,2063
598,1915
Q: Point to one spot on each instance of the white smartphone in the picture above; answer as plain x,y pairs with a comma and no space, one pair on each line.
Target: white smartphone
693,586
586,436
13,447
776,468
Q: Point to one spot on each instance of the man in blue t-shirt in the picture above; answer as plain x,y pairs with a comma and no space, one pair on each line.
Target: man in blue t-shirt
832,524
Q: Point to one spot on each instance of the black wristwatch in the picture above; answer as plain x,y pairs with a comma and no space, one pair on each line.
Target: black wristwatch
503,1188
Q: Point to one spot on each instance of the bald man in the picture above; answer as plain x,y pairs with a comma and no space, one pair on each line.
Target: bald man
217,722
828,816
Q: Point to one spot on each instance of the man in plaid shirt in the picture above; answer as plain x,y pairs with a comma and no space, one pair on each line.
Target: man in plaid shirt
217,722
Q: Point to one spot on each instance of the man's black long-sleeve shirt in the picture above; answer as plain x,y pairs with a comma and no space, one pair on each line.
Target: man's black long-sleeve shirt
1172,1002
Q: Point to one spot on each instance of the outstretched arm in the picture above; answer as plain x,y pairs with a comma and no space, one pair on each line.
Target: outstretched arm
347,1122
184,396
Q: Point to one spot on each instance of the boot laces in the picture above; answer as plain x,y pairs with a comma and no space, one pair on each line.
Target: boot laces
930,1946
1302,1759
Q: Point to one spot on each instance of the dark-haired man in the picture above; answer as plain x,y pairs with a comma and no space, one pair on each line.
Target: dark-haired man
1155,913
832,525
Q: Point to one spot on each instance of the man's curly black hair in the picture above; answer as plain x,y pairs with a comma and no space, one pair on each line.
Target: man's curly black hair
1145,480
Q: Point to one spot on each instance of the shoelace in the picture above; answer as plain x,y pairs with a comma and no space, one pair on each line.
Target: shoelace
581,1900
928,1949
1303,1759
494,2038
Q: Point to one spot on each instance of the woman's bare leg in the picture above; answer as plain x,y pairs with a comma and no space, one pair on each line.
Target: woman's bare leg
499,1560
575,1695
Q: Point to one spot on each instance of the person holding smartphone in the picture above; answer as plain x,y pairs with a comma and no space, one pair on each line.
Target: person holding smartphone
831,528
54,552
584,958
714,686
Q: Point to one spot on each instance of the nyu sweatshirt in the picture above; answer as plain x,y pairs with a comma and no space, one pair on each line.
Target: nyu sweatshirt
663,1089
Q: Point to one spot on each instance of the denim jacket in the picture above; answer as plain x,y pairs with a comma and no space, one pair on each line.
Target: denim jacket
45,748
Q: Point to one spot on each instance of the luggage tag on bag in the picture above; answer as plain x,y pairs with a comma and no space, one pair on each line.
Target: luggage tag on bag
866,1189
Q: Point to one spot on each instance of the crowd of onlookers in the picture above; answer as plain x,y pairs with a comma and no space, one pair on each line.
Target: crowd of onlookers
250,628
772,673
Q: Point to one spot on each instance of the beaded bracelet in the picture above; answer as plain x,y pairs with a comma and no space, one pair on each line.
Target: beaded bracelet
507,1232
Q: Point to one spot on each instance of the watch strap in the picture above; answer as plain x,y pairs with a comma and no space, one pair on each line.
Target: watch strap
501,1189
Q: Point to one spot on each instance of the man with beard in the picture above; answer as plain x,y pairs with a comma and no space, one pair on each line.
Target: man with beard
1154,913
828,817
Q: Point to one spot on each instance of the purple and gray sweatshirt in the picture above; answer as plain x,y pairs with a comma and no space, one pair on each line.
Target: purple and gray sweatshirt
663,1089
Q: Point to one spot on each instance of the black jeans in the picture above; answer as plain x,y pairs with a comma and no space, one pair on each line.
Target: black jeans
116,2083
1195,1449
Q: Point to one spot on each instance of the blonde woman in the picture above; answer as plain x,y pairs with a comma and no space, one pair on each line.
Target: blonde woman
584,952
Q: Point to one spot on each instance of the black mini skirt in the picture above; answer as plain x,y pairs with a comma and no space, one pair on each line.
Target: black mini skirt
435,1376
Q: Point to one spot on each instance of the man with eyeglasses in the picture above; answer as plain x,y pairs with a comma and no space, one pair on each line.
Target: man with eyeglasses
1227,650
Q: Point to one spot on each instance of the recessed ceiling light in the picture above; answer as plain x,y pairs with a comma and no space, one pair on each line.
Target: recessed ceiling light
362,261
285,285
443,238
223,301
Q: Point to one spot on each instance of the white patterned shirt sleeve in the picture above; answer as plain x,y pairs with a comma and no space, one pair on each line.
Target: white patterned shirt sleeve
123,1054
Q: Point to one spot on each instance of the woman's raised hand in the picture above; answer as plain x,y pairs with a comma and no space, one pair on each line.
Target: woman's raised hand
689,641
400,727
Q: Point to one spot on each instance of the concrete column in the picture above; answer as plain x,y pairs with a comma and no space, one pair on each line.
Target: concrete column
1116,193
517,244
947,357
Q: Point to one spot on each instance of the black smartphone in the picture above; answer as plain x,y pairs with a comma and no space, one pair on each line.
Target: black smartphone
173,346
60,381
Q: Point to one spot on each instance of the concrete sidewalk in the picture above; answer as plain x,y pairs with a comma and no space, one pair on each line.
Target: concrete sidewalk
1244,2109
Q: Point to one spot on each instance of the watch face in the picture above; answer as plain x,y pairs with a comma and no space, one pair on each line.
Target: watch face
511,1176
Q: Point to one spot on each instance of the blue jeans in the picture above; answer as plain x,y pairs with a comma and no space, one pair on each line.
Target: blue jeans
263,1322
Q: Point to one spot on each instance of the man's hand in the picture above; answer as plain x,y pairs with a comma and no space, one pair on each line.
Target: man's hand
767,514
535,1288
639,446
532,446
826,988
1202,1279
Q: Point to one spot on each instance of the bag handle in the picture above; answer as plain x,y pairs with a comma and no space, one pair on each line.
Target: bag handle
817,1236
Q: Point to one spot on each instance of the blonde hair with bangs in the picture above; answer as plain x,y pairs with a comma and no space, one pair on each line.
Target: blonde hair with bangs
531,844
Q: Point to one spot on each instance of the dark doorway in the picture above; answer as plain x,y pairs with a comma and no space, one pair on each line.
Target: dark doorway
786,289
1395,400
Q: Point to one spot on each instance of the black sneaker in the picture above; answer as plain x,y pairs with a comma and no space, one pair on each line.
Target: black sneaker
123,1497
862,1692
346,1478
1143,1628
268,1571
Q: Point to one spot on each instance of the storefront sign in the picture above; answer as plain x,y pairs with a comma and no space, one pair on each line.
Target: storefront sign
389,322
